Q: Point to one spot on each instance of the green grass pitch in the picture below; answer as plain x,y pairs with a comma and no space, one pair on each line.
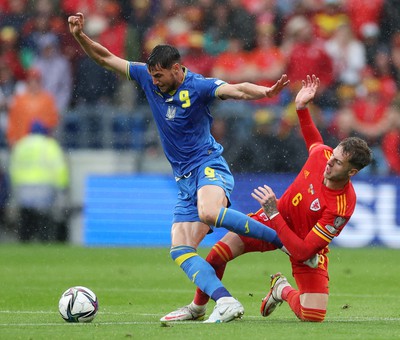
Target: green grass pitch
136,286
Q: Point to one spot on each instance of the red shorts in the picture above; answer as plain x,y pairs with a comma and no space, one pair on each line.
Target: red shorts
308,280
253,244
312,280
312,283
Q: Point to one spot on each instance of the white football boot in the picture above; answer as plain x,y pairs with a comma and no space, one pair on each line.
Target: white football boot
186,313
226,309
274,297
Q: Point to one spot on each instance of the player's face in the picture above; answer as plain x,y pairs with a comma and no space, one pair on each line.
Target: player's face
164,79
338,168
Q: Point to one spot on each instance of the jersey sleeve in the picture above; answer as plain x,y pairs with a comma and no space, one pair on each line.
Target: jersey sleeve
299,249
321,235
208,87
310,132
136,71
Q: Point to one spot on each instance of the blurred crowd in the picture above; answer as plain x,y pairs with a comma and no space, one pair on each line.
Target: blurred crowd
353,46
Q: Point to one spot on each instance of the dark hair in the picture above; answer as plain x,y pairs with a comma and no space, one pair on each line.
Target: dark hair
164,56
360,155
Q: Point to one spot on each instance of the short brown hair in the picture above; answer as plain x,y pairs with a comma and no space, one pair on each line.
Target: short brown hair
360,155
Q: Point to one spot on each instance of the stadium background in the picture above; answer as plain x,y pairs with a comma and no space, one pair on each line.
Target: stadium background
110,141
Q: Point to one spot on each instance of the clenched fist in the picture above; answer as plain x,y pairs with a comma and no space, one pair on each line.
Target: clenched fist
76,23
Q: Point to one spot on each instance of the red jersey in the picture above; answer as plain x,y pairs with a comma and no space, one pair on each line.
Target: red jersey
308,206
310,214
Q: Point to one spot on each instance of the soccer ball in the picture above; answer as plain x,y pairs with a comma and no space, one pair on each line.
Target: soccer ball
78,304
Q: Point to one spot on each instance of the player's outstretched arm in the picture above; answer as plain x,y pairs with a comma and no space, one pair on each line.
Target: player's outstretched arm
94,50
307,92
299,249
250,91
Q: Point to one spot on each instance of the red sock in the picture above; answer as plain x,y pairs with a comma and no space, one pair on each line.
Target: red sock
312,314
292,297
219,255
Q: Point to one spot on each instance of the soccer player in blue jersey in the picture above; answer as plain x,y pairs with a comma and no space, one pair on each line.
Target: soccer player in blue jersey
179,102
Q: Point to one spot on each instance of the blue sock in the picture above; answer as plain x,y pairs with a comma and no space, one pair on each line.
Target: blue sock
244,225
199,271
219,293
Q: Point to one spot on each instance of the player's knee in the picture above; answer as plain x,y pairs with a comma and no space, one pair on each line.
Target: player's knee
209,210
208,216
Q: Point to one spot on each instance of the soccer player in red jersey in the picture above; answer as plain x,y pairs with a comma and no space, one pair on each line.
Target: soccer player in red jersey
312,211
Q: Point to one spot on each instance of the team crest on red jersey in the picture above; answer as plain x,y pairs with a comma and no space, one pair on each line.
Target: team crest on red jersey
315,205
263,216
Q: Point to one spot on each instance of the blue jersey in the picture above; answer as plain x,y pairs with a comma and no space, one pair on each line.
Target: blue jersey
183,118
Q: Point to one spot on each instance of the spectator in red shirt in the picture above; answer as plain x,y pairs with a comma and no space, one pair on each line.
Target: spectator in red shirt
370,112
74,6
383,70
115,35
195,58
266,61
307,53
391,140
232,65
368,117
361,12
9,52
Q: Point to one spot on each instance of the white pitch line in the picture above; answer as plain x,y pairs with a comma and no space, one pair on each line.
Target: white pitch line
56,312
63,324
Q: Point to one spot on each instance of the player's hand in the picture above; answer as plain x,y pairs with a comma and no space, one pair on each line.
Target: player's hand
267,199
278,86
307,92
76,23
312,262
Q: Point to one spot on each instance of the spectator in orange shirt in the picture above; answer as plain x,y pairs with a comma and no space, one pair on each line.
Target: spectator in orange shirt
33,104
